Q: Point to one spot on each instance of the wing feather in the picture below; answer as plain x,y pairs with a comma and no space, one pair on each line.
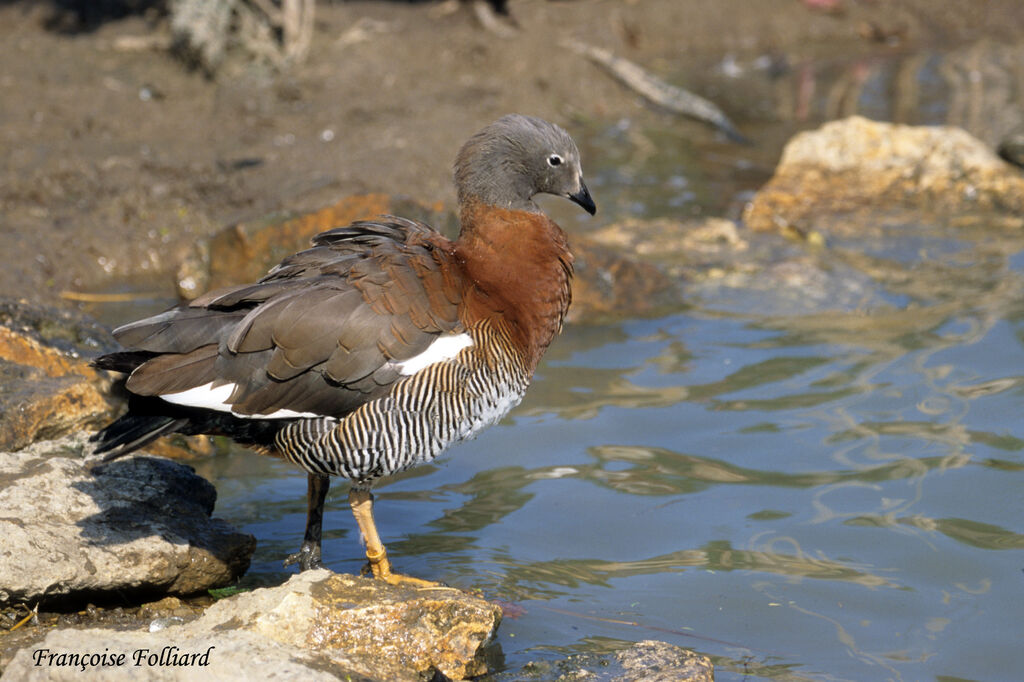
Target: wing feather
321,333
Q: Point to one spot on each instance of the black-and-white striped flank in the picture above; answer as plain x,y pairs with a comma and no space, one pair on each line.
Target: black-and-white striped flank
423,414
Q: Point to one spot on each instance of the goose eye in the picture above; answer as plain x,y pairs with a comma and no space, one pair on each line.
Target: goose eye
554,160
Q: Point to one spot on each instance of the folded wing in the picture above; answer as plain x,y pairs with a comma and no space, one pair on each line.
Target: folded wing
322,333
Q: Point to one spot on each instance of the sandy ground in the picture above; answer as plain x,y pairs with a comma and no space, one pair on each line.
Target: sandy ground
116,161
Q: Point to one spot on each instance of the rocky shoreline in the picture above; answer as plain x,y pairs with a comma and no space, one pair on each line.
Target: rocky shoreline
124,533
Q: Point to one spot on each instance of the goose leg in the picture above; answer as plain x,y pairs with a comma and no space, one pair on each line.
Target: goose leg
308,556
361,501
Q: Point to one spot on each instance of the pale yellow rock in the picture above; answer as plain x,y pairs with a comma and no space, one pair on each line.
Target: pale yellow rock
856,164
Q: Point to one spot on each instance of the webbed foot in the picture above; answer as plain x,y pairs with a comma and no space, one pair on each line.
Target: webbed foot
308,558
380,566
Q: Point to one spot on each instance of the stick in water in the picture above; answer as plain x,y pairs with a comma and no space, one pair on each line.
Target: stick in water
652,88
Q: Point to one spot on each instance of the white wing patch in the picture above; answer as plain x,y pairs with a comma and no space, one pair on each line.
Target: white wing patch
212,397
215,398
443,348
203,396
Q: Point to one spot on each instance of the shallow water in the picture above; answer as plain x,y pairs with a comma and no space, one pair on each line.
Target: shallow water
818,479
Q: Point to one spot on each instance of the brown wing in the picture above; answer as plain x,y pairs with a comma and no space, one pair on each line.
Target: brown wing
320,333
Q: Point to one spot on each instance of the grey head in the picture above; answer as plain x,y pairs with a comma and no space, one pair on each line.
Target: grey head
517,157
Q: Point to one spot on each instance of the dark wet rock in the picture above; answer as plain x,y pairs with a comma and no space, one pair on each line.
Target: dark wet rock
49,389
607,281
846,171
75,335
646,661
318,625
135,527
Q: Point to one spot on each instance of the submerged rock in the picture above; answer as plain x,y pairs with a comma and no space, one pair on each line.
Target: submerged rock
646,661
49,389
318,625
724,265
846,168
688,248
133,527
607,282
653,661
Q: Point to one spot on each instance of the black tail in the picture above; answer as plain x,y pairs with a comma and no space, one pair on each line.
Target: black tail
132,431
142,424
123,361
148,418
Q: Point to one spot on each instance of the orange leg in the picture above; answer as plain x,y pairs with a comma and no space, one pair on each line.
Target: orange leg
361,502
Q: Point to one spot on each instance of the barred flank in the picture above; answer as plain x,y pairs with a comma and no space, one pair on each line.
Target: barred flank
425,413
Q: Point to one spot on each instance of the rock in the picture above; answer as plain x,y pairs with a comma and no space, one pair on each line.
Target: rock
34,406
318,625
134,527
232,656
857,165
54,340
51,390
367,625
49,387
725,267
652,661
607,282
647,661
682,248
